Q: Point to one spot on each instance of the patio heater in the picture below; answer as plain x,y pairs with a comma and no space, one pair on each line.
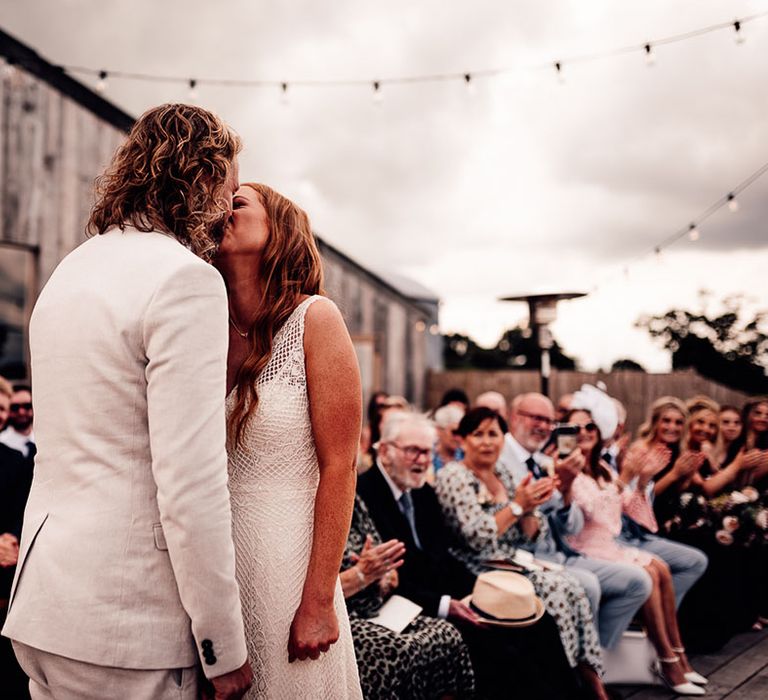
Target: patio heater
542,311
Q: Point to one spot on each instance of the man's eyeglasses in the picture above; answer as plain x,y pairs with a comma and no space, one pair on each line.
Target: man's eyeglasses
537,417
19,406
413,452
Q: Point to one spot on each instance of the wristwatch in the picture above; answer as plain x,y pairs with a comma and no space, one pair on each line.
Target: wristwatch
516,508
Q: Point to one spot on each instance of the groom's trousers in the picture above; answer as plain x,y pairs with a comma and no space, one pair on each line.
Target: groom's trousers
54,677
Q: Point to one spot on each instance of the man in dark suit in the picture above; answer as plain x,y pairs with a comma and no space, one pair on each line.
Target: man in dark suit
521,661
15,482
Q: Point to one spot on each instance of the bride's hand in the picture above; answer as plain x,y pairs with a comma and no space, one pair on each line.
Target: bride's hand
313,630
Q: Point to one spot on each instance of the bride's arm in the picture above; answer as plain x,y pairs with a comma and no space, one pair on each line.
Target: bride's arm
335,408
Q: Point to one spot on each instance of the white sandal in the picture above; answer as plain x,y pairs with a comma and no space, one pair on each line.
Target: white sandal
687,688
692,676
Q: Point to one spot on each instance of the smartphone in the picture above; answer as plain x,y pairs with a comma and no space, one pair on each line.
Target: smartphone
566,438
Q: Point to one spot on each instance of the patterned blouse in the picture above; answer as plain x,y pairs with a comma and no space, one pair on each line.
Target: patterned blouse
469,511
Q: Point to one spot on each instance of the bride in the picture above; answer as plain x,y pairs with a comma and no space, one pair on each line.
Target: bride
294,414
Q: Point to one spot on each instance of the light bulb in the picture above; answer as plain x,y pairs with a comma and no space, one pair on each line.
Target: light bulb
739,38
101,83
193,90
377,96
693,233
469,83
733,203
284,97
650,56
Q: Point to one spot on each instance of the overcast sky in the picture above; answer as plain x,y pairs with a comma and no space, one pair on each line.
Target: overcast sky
523,184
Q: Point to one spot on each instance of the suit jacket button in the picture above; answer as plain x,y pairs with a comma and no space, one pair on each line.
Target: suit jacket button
206,644
210,660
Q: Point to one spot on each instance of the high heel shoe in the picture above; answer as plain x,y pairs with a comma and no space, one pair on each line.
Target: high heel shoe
691,676
686,688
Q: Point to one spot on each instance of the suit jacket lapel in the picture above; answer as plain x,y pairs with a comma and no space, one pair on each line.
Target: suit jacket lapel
391,517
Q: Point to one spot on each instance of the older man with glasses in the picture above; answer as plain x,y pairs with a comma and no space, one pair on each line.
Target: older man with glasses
616,591
523,661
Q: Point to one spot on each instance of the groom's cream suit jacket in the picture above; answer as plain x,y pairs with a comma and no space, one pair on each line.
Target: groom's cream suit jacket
126,555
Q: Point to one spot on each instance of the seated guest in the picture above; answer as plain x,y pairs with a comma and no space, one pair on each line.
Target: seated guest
616,591
704,437
370,433
563,407
455,397
19,434
753,442
684,507
616,447
426,660
602,499
526,662
490,518
379,406
730,430
493,400
682,516
15,482
687,564
446,446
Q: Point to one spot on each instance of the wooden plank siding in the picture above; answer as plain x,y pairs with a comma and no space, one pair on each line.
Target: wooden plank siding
373,309
52,149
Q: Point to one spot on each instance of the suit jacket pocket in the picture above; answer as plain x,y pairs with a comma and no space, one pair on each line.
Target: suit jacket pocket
31,531
160,542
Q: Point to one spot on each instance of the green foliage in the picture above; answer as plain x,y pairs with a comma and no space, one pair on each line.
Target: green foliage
516,349
727,348
627,364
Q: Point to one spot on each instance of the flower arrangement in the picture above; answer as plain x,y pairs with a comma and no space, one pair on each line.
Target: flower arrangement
739,517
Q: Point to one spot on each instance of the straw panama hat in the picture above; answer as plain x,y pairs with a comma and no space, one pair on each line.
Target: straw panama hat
505,599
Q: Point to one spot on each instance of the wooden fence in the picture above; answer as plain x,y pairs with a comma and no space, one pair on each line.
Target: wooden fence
636,390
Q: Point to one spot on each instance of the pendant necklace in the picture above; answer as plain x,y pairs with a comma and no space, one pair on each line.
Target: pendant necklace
237,330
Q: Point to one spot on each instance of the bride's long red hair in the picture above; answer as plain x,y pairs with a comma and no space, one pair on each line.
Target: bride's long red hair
290,267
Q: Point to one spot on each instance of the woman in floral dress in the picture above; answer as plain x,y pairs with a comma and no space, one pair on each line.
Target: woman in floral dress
475,496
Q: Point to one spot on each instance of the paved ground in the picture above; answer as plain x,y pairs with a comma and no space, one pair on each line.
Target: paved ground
739,671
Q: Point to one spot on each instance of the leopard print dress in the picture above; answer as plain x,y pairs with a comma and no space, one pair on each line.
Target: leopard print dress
469,513
427,660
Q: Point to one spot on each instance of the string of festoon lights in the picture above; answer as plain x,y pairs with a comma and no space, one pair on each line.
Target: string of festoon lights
692,230
646,49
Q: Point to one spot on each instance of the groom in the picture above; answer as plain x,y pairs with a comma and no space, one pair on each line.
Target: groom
125,584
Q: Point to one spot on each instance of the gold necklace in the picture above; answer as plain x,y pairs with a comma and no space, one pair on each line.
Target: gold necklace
237,330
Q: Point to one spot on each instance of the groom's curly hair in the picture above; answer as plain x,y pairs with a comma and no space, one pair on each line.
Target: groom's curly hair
170,175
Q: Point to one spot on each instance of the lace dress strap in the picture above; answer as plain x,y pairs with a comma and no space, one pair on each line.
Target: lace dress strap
287,360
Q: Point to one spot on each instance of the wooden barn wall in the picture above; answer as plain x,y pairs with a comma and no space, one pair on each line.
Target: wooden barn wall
52,149
374,312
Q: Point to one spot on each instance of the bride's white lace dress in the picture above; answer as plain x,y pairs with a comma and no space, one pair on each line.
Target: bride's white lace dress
273,477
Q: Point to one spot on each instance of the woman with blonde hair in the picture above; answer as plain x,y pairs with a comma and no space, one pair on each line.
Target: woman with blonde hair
681,493
294,415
